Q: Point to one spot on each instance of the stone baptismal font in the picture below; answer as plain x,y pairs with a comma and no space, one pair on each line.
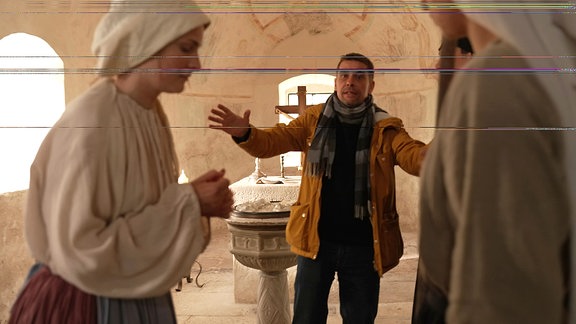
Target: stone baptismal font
258,225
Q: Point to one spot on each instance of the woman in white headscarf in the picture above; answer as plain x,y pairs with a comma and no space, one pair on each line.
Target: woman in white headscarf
499,180
110,227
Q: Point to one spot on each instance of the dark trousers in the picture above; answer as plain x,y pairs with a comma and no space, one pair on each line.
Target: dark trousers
430,303
358,280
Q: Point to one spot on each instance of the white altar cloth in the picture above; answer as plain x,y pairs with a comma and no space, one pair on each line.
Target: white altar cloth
247,189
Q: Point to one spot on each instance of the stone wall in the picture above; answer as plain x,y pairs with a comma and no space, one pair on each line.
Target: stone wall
14,256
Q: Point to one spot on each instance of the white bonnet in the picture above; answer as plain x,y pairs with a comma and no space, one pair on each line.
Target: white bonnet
133,31
545,35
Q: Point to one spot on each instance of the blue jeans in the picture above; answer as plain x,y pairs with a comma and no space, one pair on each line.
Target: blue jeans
359,285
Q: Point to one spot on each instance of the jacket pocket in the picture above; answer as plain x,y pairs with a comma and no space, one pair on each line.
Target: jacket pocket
385,161
390,239
298,227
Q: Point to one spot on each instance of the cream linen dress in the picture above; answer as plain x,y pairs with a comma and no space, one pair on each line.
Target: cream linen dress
495,208
104,210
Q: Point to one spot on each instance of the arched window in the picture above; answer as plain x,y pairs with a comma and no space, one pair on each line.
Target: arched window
32,101
318,88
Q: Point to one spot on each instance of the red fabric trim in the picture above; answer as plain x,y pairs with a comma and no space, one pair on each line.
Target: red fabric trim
47,298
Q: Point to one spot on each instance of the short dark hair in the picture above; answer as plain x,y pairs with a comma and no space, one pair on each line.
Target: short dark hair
464,45
360,58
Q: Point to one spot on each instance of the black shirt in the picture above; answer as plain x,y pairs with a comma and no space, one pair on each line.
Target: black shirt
337,222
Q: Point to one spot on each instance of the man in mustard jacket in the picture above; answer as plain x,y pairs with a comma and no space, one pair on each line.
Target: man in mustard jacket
345,218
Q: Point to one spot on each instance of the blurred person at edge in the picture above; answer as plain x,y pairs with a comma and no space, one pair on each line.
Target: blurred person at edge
108,224
430,303
345,220
454,54
498,180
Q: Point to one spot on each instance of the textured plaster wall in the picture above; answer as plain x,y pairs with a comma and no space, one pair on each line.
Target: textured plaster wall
273,46
14,256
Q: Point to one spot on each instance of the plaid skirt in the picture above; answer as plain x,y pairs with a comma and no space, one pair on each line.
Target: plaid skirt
47,298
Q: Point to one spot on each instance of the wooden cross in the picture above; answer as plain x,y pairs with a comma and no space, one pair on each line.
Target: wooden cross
291,109
295,109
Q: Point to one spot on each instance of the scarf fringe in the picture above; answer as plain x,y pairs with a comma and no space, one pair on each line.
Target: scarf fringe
360,211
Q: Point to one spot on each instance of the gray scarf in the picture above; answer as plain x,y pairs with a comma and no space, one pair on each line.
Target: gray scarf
322,150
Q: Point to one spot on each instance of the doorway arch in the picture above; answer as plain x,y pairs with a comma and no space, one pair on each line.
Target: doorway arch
33,99
318,88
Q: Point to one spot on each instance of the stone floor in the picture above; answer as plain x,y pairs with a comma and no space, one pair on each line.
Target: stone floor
213,303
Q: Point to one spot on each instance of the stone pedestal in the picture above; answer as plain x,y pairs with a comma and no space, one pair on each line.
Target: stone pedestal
273,301
248,190
259,242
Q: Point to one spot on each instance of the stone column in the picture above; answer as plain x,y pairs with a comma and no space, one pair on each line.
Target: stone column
273,301
259,242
